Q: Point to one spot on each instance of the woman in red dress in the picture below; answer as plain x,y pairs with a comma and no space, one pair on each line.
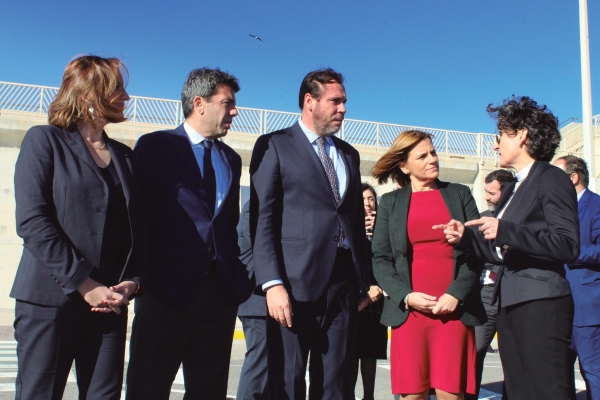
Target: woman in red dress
432,296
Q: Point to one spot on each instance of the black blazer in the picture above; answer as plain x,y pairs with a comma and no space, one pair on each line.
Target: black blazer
61,200
538,234
183,234
391,248
294,216
256,305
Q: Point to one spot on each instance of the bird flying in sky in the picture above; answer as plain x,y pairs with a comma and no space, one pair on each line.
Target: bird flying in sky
256,37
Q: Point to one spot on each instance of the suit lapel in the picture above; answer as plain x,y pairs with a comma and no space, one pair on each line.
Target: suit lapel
400,218
504,196
523,198
452,201
305,149
121,166
227,161
77,144
582,203
183,145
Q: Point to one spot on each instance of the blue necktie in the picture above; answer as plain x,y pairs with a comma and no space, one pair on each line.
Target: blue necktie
210,182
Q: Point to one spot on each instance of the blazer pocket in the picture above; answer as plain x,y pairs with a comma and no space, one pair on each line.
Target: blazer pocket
587,279
537,277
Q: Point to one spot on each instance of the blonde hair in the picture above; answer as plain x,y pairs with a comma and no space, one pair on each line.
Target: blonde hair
88,82
388,166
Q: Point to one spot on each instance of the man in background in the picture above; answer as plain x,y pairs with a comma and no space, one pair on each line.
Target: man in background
484,334
584,278
253,314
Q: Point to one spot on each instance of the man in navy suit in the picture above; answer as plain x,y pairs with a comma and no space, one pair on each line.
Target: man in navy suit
584,278
190,183
307,227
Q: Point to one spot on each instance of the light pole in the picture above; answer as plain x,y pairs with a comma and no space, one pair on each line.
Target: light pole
586,94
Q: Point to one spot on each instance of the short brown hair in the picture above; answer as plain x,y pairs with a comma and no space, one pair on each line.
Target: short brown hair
88,81
313,83
388,165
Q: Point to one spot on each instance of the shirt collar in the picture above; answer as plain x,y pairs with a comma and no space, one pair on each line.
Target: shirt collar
522,174
312,137
580,194
193,136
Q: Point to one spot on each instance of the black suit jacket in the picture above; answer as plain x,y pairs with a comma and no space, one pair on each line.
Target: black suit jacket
256,305
183,234
61,200
294,216
538,234
391,251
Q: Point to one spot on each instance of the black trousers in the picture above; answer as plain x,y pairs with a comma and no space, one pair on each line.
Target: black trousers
49,339
325,328
199,338
534,340
253,378
484,334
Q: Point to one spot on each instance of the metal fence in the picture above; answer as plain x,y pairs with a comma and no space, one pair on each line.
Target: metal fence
145,110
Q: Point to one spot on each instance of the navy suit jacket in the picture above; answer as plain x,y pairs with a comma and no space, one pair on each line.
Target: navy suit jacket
294,217
584,273
183,234
61,200
255,306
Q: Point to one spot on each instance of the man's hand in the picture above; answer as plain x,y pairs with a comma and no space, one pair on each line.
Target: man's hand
488,226
421,302
126,288
453,230
278,303
374,293
100,297
446,304
364,303
370,223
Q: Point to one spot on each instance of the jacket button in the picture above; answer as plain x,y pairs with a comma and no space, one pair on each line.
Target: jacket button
335,238
209,249
505,247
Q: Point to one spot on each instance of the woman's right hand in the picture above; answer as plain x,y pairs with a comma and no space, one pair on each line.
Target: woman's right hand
421,302
453,230
100,297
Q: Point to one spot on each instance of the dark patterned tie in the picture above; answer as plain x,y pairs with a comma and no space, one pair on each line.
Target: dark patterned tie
210,182
332,177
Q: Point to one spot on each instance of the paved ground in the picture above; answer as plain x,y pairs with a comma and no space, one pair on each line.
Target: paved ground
492,377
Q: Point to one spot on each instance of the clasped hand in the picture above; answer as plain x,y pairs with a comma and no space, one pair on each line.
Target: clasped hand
428,304
104,299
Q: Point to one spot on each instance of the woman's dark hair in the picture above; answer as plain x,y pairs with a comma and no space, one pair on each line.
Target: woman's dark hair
516,113
366,186
313,83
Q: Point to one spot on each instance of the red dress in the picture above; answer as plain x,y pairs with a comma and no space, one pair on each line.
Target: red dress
429,351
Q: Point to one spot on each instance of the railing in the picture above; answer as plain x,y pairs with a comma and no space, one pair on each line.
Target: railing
145,110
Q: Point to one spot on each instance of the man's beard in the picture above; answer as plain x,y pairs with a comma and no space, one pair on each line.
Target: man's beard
325,129
491,207
322,126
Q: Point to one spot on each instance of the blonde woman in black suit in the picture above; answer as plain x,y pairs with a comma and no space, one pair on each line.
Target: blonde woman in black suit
532,234
75,210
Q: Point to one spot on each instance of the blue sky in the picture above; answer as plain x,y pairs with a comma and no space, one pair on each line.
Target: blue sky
429,63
